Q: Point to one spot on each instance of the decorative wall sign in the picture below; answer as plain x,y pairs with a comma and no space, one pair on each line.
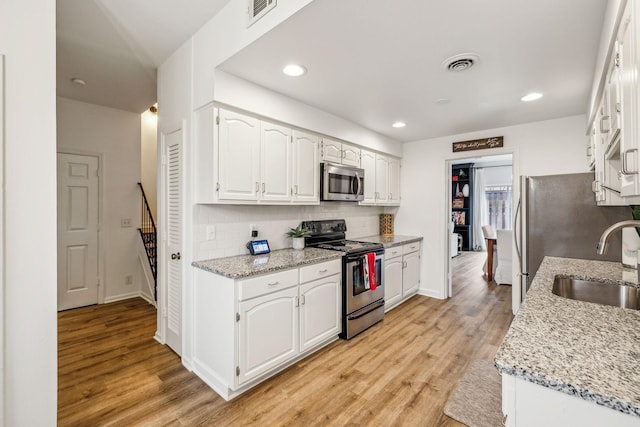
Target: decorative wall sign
478,144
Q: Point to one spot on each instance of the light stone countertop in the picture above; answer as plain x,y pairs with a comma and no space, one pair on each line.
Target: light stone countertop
241,266
587,350
390,242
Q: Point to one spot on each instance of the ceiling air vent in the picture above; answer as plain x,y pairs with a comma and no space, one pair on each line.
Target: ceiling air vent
258,8
460,62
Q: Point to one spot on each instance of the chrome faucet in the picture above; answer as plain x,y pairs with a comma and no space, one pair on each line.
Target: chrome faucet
602,244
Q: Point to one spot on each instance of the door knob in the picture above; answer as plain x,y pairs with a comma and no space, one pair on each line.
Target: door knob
175,256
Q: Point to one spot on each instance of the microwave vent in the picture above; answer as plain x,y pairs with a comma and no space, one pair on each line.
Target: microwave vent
258,8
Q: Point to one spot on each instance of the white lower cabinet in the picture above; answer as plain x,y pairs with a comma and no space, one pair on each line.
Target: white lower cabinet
525,404
320,305
246,330
267,333
401,273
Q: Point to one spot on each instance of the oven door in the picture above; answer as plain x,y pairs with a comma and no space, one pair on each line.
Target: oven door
342,183
357,294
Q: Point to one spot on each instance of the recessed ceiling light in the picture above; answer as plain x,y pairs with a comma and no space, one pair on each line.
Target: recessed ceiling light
294,70
531,97
399,124
78,81
442,101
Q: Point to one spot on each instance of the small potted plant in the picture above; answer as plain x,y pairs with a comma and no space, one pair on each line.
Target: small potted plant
297,236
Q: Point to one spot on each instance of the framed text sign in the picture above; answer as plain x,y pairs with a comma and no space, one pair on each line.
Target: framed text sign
478,144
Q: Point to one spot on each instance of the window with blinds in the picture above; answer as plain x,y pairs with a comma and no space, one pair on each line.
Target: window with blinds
498,206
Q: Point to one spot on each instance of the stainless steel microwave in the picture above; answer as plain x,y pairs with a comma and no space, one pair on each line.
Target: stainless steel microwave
341,183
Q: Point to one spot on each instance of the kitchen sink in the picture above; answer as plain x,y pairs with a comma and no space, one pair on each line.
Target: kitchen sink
613,294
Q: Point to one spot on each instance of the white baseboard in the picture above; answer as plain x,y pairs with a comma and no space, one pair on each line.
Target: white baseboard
430,293
121,297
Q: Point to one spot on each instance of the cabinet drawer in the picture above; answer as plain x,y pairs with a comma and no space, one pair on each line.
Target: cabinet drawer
410,247
316,271
262,285
392,252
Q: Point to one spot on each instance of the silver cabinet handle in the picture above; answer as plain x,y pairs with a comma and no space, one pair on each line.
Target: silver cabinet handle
626,170
322,271
257,186
589,148
301,299
263,188
296,189
273,283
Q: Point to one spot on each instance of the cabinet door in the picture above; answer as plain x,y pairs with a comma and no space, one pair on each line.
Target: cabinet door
350,155
382,179
411,274
320,308
394,181
267,333
331,151
368,163
275,168
238,156
628,82
306,168
392,282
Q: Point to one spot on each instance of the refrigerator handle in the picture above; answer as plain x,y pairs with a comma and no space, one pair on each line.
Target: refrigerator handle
517,230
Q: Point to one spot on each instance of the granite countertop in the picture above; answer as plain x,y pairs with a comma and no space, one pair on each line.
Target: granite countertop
241,266
587,350
390,242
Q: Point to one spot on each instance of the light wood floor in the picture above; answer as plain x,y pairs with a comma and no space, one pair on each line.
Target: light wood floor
400,372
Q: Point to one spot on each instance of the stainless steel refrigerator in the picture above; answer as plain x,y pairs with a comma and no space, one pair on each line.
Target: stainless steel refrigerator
557,216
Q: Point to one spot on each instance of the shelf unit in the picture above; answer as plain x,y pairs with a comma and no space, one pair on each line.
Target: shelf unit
462,215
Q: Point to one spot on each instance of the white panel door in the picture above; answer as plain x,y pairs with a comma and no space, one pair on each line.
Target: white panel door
306,167
392,281
268,332
320,308
411,273
382,180
368,163
275,148
239,156
77,231
331,151
350,155
172,306
394,181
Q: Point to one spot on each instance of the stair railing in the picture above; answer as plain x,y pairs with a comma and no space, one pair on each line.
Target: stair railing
149,234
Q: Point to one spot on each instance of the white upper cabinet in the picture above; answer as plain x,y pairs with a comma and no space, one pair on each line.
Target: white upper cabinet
381,179
239,154
275,153
615,130
306,167
339,152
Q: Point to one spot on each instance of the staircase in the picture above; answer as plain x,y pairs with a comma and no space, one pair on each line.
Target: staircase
149,240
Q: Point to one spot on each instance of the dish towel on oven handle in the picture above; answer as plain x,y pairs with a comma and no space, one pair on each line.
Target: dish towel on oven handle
370,260
365,271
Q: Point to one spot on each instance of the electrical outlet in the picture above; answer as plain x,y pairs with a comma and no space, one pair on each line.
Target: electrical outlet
128,280
126,222
211,232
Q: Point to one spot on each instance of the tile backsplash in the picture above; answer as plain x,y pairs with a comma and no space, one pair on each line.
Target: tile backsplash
233,224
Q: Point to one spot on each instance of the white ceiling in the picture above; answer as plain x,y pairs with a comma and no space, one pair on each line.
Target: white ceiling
117,45
370,61
374,62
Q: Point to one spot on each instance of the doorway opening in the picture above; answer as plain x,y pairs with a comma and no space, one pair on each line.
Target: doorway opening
481,208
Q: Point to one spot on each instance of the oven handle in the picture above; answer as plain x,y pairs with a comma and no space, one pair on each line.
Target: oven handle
374,306
356,183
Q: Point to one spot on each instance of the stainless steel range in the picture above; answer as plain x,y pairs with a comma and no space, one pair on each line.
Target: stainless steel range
362,274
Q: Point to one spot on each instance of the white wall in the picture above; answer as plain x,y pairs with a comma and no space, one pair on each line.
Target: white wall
29,380
114,134
233,231
542,148
149,159
248,96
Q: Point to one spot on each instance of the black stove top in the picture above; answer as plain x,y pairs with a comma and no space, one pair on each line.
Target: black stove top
331,234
